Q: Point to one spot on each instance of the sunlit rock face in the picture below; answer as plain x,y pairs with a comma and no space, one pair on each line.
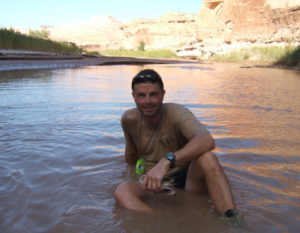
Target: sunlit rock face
231,21
169,31
102,32
219,27
225,25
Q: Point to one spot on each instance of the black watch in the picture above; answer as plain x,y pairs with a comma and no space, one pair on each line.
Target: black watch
170,156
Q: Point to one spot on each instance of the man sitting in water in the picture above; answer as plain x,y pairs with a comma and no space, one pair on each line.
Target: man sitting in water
173,144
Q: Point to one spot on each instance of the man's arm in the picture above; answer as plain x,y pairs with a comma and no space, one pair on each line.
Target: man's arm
130,156
198,145
131,152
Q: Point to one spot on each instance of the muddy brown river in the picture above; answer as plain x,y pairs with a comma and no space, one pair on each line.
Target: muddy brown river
62,148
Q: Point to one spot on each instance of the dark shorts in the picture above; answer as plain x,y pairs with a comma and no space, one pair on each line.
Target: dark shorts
180,177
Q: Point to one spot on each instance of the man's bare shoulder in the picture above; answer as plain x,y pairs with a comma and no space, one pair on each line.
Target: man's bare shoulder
130,116
174,108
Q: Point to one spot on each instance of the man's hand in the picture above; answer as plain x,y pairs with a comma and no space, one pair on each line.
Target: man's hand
154,177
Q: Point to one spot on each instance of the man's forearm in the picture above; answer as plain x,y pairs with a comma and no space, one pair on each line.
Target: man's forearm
197,146
131,158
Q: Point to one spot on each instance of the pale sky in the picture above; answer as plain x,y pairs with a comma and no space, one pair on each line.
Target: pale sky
31,14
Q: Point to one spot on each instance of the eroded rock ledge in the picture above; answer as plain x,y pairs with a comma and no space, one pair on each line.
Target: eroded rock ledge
226,25
169,31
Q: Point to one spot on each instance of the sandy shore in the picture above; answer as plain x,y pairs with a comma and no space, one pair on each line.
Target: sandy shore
25,60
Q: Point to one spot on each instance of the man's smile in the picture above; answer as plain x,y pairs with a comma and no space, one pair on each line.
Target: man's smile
148,109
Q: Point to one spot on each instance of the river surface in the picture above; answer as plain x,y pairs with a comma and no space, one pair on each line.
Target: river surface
62,148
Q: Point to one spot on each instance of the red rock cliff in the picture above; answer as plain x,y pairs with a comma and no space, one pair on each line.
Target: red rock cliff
265,21
226,25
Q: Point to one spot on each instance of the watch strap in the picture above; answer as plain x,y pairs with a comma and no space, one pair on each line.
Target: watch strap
171,157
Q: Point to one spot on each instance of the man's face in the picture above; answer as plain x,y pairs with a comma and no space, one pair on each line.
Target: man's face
148,98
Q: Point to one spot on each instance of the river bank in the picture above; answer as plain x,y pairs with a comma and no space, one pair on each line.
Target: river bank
261,64
22,60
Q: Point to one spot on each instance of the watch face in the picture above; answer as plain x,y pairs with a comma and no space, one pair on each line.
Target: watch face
170,156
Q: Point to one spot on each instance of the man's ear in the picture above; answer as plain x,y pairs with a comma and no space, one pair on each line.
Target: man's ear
132,93
163,93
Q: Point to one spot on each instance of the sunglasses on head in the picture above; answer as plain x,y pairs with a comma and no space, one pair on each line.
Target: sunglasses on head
146,77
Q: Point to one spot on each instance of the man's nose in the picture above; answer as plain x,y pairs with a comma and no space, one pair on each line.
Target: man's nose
148,100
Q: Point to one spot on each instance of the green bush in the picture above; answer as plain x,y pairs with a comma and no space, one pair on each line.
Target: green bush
246,56
9,39
142,46
122,48
93,52
291,57
288,55
43,34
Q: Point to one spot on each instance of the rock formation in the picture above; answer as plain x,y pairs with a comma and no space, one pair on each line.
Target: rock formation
167,32
219,27
232,21
224,25
102,32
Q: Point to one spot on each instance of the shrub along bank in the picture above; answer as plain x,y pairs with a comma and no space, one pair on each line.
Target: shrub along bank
10,39
279,55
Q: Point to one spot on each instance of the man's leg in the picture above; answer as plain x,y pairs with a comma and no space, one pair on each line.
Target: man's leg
131,196
206,174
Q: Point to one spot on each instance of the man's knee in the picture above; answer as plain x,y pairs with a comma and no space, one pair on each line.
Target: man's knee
209,162
121,192
129,191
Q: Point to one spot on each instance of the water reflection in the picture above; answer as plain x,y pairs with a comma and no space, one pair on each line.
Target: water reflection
62,148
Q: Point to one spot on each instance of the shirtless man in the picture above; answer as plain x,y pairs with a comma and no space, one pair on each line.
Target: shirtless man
172,143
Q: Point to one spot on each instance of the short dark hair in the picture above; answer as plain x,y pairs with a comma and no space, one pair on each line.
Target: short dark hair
147,76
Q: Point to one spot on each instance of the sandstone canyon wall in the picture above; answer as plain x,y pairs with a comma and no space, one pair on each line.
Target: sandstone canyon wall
167,32
102,32
219,27
224,25
232,21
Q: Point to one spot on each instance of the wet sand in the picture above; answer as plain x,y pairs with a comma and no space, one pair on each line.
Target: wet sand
19,61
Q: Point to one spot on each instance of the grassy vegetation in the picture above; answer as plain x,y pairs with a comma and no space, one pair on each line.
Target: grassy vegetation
9,39
288,55
94,52
39,34
164,53
291,57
